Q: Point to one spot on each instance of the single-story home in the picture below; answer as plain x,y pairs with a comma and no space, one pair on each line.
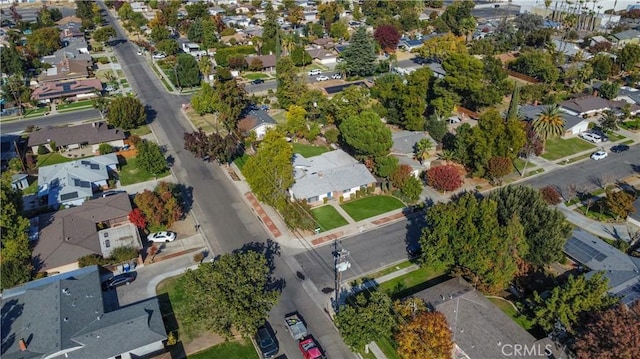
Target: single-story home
20,181
86,88
634,217
626,37
592,105
268,61
70,183
570,49
628,94
238,38
622,270
322,56
65,316
573,124
409,45
258,121
75,48
479,328
330,175
72,137
324,42
438,70
65,70
404,146
96,227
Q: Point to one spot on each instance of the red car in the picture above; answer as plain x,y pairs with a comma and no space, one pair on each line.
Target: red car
310,349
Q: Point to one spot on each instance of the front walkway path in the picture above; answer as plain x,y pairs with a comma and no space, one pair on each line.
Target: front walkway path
342,212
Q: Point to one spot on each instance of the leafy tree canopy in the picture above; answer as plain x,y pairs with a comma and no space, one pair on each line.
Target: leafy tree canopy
360,55
427,335
611,334
126,112
366,319
366,135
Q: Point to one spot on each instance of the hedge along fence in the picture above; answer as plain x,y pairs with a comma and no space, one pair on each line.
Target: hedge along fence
222,55
523,77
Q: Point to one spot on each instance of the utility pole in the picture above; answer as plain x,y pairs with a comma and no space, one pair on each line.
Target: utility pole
341,265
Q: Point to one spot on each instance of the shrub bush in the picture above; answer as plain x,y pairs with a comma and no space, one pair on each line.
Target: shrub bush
341,199
42,150
198,257
325,200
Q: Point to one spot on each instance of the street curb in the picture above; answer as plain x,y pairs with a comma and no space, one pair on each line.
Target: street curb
153,283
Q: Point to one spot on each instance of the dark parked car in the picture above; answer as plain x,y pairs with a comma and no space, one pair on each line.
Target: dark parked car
267,342
602,135
120,279
257,81
619,148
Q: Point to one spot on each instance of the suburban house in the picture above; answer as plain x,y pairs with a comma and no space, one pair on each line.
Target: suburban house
268,61
239,38
193,49
592,105
626,37
322,56
409,45
330,175
570,49
77,89
634,217
326,43
573,124
258,121
240,21
403,148
622,270
65,70
70,183
75,48
20,181
438,70
628,94
96,227
479,328
65,316
72,137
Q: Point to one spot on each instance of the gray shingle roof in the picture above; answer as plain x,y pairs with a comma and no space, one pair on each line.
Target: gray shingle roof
586,104
66,311
627,35
479,327
90,133
329,172
531,112
404,142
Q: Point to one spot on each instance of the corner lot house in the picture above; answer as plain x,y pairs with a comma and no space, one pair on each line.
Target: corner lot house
97,227
331,175
622,270
73,137
70,183
573,124
65,316
258,121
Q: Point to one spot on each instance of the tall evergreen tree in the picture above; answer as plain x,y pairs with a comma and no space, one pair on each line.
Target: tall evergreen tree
360,55
512,113
290,86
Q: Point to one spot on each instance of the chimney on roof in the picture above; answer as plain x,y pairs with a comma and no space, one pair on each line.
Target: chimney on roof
23,345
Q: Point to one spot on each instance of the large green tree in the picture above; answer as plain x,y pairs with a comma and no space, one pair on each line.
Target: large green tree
351,102
629,56
150,158
545,227
414,99
290,85
360,55
466,234
270,172
103,34
365,319
387,89
466,77
16,252
187,71
366,135
536,64
44,41
229,99
570,303
235,291
126,112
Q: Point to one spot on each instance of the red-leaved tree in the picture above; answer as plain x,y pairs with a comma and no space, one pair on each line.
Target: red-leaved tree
444,178
613,333
499,167
138,218
400,176
387,36
550,195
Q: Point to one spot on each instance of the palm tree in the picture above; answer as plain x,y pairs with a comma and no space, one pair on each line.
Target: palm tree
341,68
422,149
549,123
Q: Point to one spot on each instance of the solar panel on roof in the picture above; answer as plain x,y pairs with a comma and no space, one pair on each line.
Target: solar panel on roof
76,182
582,251
68,196
600,257
85,162
94,166
85,184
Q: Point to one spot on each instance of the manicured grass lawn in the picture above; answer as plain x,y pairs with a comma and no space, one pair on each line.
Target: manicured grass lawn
413,282
54,158
240,161
238,350
172,302
280,117
140,130
631,125
75,105
164,81
558,148
391,269
371,206
309,150
387,347
131,173
255,76
32,189
521,320
328,218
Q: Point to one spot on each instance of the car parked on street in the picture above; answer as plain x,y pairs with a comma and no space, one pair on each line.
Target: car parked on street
257,81
159,55
118,280
267,342
314,72
599,155
160,237
322,78
619,148
336,76
310,349
591,137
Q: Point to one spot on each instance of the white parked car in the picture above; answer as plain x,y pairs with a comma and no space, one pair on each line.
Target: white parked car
159,55
600,155
159,237
591,137
109,88
322,78
336,76
314,72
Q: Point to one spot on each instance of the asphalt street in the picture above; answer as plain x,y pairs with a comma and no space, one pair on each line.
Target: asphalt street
51,120
227,221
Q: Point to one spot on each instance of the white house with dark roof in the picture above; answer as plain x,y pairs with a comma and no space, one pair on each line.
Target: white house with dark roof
573,125
593,105
330,175
626,37
65,316
622,270
71,183
258,121
404,146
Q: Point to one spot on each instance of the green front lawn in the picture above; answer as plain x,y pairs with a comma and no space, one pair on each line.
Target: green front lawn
130,173
54,158
328,218
413,282
388,348
557,148
509,310
140,130
172,303
75,105
255,76
371,206
32,189
309,150
34,112
239,350
241,161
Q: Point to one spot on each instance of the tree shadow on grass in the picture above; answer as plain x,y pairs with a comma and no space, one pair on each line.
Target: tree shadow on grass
171,326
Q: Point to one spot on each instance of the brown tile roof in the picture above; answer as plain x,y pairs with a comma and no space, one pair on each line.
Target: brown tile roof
267,60
67,70
71,233
55,90
239,36
319,53
90,133
324,41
